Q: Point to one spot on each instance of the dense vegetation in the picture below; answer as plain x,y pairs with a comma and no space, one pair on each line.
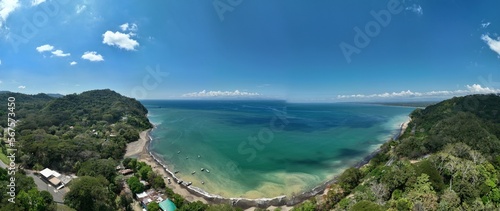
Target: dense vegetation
27,196
84,134
447,159
61,133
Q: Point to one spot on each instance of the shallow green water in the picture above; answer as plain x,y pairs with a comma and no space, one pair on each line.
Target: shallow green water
256,149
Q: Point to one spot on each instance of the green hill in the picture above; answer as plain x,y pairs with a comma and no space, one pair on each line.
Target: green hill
447,159
61,133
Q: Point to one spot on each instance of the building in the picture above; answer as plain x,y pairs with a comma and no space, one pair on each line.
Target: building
54,178
167,205
149,196
126,171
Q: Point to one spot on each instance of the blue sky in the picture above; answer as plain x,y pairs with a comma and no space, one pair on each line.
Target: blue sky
289,49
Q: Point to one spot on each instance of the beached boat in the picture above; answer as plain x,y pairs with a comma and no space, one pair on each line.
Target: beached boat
207,170
202,169
193,172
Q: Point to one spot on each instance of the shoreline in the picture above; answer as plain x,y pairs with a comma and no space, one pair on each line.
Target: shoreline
192,193
135,148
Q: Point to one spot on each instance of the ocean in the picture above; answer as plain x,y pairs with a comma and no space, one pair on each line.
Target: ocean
264,149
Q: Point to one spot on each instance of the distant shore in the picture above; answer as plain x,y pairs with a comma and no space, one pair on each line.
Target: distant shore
140,149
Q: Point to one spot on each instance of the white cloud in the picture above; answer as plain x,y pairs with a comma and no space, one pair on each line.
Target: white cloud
45,47
6,8
417,9
494,44
205,93
80,8
60,53
124,26
131,27
36,2
73,63
471,89
92,56
1,82
21,87
484,25
0,63
476,88
120,40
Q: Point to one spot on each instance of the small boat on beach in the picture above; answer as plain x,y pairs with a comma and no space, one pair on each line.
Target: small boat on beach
207,170
178,152
202,169
175,172
193,172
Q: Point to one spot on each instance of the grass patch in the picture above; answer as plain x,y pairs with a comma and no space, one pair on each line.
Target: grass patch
4,158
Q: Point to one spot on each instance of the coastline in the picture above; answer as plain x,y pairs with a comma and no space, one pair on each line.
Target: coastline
140,149
135,148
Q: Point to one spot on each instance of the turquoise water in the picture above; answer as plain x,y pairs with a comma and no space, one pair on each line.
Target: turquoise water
256,149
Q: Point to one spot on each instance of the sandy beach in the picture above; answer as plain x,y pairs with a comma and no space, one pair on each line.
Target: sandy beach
135,148
139,150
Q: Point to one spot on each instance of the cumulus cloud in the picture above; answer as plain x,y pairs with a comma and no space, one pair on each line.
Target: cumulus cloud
130,27
6,8
80,8
44,48
124,27
417,9
471,89
120,40
235,93
36,2
60,53
0,64
92,56
21,87
494,44
73,63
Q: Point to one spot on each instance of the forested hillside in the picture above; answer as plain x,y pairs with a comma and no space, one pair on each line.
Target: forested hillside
61,133
447,159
